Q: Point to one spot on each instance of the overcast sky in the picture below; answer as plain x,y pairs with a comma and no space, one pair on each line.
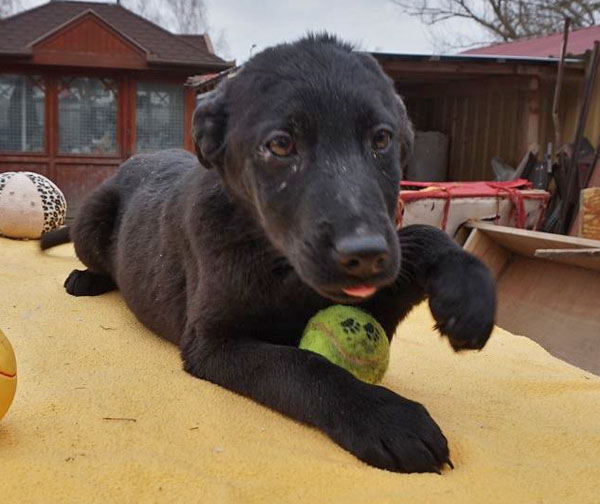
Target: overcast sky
373,25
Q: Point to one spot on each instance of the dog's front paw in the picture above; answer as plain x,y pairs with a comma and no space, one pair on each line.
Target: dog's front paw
390,432
462,298
87,283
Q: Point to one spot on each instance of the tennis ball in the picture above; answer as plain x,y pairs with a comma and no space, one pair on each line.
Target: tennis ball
8,374
350,338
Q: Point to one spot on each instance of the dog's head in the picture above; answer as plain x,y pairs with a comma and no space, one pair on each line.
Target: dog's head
311,136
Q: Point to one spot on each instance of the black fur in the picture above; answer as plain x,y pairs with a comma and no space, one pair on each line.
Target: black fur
230,263
57,237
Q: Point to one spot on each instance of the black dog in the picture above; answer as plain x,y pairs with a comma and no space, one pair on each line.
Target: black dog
297,213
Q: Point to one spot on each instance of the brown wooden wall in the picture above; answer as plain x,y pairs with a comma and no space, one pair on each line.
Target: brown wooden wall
88,36
77,174
498,116
88,42
568,109
570,106
592,130
483,118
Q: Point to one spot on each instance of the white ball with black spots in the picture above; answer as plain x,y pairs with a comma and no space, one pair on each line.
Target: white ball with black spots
30,205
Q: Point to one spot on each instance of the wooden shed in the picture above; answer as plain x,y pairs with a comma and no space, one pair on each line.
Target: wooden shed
488,106
83,86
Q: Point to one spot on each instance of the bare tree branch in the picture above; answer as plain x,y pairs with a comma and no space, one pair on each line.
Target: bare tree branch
147,9
179,16
222,46
190,15
507,19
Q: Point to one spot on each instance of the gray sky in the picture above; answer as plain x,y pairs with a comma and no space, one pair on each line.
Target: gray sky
372,25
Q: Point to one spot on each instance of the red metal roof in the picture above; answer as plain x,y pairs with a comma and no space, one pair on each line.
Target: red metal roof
580,41
19,31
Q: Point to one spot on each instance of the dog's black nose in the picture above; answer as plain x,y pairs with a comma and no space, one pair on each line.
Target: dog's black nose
362,255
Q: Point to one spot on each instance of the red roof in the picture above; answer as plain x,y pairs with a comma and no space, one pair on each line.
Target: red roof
546,46
18,32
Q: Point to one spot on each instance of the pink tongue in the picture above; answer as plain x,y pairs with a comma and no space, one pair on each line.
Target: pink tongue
360,291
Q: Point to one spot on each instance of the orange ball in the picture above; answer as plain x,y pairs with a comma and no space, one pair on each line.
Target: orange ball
8,374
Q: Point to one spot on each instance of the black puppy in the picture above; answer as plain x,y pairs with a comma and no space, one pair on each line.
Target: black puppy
297,213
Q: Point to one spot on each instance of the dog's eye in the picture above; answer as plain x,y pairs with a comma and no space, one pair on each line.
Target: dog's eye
381,139
281,145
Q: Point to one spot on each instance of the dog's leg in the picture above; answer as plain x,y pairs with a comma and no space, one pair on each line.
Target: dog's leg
88,283
92,234
93,229
375,424
460,288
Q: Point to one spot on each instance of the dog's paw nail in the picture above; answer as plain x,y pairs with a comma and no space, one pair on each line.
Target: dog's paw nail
450,464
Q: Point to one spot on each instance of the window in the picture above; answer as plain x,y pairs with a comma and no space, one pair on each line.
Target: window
159,116
22,100
87,116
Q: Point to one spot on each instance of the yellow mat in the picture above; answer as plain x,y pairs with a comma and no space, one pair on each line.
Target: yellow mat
104,413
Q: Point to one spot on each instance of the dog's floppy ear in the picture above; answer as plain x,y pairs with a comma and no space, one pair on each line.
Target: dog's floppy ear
208,128
407,134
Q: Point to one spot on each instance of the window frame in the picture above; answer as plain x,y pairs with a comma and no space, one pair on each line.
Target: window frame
187,113
126,109
121,150
43,77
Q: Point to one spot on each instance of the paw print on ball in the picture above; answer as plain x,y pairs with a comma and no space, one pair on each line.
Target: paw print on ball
350,326
372,332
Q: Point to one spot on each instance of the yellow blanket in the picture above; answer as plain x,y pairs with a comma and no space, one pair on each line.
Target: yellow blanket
104,413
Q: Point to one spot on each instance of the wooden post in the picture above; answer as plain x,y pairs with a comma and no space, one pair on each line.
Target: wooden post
590,213
51,124
569,201
132,116
558,88
189,107
531,123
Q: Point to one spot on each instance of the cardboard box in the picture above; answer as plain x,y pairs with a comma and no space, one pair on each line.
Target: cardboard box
548,288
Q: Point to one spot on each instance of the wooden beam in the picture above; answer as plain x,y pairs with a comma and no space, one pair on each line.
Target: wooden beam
60,58
477,85
531,240
526,243
473,68
590,213
558,89
553,302
531,134
561,253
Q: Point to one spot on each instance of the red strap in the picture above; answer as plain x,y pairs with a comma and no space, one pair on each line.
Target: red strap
517,200
450,190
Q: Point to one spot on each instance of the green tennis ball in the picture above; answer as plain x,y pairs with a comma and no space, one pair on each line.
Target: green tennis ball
350,338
